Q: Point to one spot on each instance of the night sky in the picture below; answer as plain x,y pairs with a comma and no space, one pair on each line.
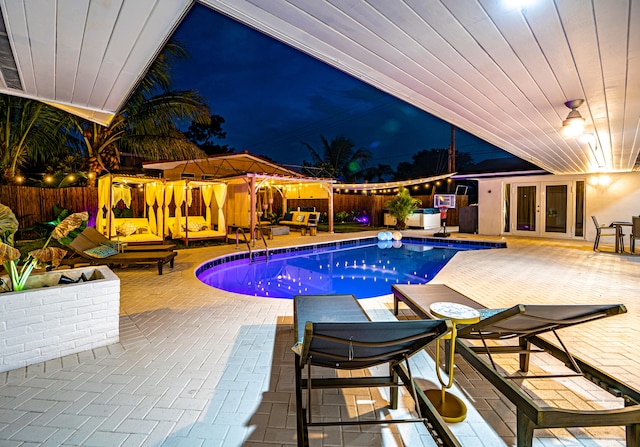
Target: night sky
274,97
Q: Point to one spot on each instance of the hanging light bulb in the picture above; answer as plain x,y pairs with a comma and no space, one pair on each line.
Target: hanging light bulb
573,126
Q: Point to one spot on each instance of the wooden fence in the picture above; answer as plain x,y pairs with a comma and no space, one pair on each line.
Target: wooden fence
32,205
373,205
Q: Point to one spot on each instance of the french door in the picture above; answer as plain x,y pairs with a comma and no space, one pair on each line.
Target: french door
542,209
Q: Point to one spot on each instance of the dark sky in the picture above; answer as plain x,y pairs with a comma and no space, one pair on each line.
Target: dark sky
274,97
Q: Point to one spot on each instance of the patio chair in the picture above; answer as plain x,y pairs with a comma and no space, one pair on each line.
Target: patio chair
86,251
333,331
635,233
602,230
98,238
526,323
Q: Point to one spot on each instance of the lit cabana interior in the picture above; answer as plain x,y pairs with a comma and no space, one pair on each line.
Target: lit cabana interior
252,195
115,218
198,209
249,179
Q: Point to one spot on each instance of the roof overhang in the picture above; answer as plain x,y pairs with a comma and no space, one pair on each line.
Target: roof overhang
495,69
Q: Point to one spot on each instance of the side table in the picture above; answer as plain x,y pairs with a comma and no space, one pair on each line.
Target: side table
450,407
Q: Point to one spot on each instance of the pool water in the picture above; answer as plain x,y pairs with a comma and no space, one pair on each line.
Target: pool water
366,270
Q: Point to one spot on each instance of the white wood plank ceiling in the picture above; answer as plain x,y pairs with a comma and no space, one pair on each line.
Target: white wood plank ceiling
499,69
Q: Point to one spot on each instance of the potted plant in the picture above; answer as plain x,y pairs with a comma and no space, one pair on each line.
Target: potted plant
401,206
57,313
10,256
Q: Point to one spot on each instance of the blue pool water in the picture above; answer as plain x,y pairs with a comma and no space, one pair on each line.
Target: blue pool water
365,268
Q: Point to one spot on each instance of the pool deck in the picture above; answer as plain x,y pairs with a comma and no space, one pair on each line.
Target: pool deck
197,366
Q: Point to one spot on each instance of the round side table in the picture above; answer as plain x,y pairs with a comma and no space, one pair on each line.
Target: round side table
450,407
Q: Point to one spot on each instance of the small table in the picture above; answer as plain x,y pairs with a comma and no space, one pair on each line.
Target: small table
450,407
619,236
275,230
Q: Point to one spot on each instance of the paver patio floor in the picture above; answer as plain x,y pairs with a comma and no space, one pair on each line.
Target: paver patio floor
197,366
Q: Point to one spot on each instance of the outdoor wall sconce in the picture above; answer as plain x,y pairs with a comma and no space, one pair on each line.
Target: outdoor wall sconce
573,126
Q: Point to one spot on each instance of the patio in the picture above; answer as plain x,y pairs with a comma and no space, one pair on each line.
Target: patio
199,367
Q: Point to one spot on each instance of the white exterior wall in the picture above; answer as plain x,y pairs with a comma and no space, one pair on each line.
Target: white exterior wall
609,197
46,323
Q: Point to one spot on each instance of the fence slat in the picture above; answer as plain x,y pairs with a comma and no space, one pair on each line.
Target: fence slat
32,205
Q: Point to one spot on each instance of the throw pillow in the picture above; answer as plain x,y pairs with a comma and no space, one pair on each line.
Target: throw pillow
101,251
194,226
300,218
126,229
288,217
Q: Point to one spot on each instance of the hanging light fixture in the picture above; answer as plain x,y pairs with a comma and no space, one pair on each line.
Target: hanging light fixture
573,126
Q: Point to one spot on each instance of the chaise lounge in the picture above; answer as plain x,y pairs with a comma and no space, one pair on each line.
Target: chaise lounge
87,251
525,323
333,331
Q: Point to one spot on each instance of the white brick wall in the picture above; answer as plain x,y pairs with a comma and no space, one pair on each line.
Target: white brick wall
46,323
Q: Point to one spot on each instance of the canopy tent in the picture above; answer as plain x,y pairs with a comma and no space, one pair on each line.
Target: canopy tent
113,189
191,226
246,176
245,195
219,167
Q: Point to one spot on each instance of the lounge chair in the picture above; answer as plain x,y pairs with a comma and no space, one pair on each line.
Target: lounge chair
525,323
333,331
98,238
86,251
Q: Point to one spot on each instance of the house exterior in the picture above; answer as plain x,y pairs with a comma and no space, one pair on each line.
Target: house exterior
556,206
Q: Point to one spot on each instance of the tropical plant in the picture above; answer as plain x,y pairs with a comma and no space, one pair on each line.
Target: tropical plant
205,135
30,133
401,206
338,159
147,124
430,162
10,256
377,173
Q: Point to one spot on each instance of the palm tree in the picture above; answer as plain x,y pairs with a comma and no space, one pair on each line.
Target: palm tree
377,173
339,159
29,132
401,206
147,124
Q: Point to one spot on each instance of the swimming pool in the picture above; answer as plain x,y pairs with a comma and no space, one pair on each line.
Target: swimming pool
363,267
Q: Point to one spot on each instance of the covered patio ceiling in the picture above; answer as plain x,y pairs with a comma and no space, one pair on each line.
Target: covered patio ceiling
499,69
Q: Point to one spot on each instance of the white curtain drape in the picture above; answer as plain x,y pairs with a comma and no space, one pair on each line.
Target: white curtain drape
189,197
104,186
159,193
207,194
122,192
179,190
220,193
150,197
168,194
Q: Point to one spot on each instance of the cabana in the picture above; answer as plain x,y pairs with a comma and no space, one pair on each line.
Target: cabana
192,221
250,179
114,192
247,196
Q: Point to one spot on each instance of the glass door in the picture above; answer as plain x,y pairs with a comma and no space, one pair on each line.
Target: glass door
542,209
526,209
555,209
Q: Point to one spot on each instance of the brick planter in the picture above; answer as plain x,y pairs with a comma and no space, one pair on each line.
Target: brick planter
44,323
